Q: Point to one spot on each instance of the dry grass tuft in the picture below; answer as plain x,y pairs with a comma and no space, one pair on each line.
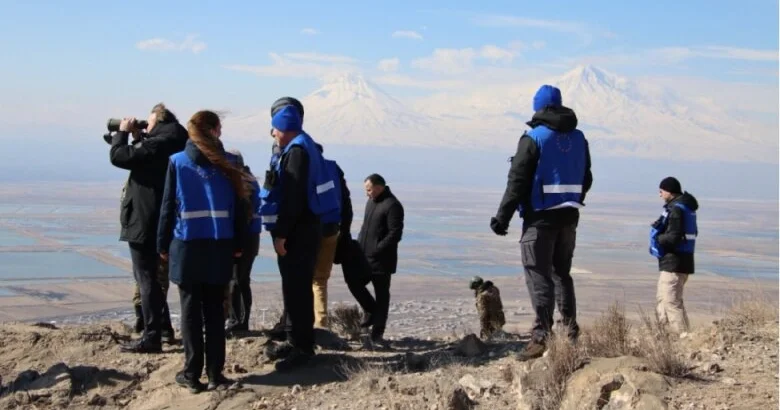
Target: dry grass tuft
345,320
546,388
660,347
610,335
752,311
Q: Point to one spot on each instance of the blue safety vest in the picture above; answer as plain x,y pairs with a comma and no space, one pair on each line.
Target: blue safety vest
690,229
560,171
254,226
205,201
323,191
333,216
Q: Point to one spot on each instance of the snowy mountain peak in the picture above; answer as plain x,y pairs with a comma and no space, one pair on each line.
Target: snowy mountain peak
590,77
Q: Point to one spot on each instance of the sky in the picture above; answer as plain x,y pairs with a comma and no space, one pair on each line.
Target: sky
77,62
69,66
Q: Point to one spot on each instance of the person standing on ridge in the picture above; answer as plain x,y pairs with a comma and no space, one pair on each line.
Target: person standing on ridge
204,220
331,226
147,160
297,192
240,290
382,230
547,183
673,242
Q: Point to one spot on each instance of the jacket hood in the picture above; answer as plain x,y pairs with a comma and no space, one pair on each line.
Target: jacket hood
688,200
547,96
562,119
169,129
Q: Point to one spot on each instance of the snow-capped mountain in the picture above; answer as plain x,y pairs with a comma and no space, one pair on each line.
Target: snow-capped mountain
619,116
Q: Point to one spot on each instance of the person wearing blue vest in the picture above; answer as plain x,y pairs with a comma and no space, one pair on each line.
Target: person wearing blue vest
203,226
331,223
673,242
547,183
295,195
239,303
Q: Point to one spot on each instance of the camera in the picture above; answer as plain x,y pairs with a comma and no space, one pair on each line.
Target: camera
113,126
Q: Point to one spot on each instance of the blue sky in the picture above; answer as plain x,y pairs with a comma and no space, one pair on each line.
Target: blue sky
88,58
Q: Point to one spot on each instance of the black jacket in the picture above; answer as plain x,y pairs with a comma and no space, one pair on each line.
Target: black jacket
147,162
295,217
345,236
674,234
199,260
521,174
382,229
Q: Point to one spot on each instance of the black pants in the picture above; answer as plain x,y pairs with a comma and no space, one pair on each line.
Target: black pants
297,270
357,275
201,302
381,283
241,292
145,264
547,256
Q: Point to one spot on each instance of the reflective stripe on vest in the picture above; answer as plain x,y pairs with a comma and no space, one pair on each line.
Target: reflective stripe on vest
205,214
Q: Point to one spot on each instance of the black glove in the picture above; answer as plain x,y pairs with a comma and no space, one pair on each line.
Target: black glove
498,227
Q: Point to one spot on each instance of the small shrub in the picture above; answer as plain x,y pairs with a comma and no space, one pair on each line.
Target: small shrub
548,386
346,320
660,347
610,335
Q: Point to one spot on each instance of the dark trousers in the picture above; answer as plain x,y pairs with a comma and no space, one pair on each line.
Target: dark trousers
145,265
202,302
547,256
297,271
357,275
241,292
381,283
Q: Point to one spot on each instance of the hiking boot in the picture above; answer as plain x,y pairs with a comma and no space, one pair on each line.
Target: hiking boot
278,351
219,380
141,346
278,334
168,336
297,358
139,320
194,386
533,350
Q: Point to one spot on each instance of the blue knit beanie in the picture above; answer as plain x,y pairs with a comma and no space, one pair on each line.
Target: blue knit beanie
287,119
547,96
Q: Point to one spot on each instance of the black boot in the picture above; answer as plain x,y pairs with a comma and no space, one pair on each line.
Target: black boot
139,319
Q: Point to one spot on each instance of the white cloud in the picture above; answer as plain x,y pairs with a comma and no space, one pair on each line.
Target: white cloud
582,30
458,61
388,64
190,43
310,31
300,65
407,34
321,58
718,52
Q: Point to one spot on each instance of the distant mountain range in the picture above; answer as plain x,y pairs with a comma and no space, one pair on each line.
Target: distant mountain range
619,116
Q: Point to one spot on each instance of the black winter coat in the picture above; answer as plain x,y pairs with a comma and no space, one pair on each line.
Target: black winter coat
382,229
147,162
674,234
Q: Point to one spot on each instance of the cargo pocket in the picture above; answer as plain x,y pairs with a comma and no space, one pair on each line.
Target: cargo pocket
527,246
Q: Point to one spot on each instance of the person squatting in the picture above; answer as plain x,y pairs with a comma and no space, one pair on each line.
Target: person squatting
192,213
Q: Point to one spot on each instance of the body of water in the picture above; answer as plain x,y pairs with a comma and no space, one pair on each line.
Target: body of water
444,234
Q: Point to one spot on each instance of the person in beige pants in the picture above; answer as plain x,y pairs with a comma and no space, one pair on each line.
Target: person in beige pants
321,275
673,241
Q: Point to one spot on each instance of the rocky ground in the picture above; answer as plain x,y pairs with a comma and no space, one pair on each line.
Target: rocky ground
730,364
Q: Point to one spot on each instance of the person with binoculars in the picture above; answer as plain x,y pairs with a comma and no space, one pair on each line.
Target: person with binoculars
146,157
